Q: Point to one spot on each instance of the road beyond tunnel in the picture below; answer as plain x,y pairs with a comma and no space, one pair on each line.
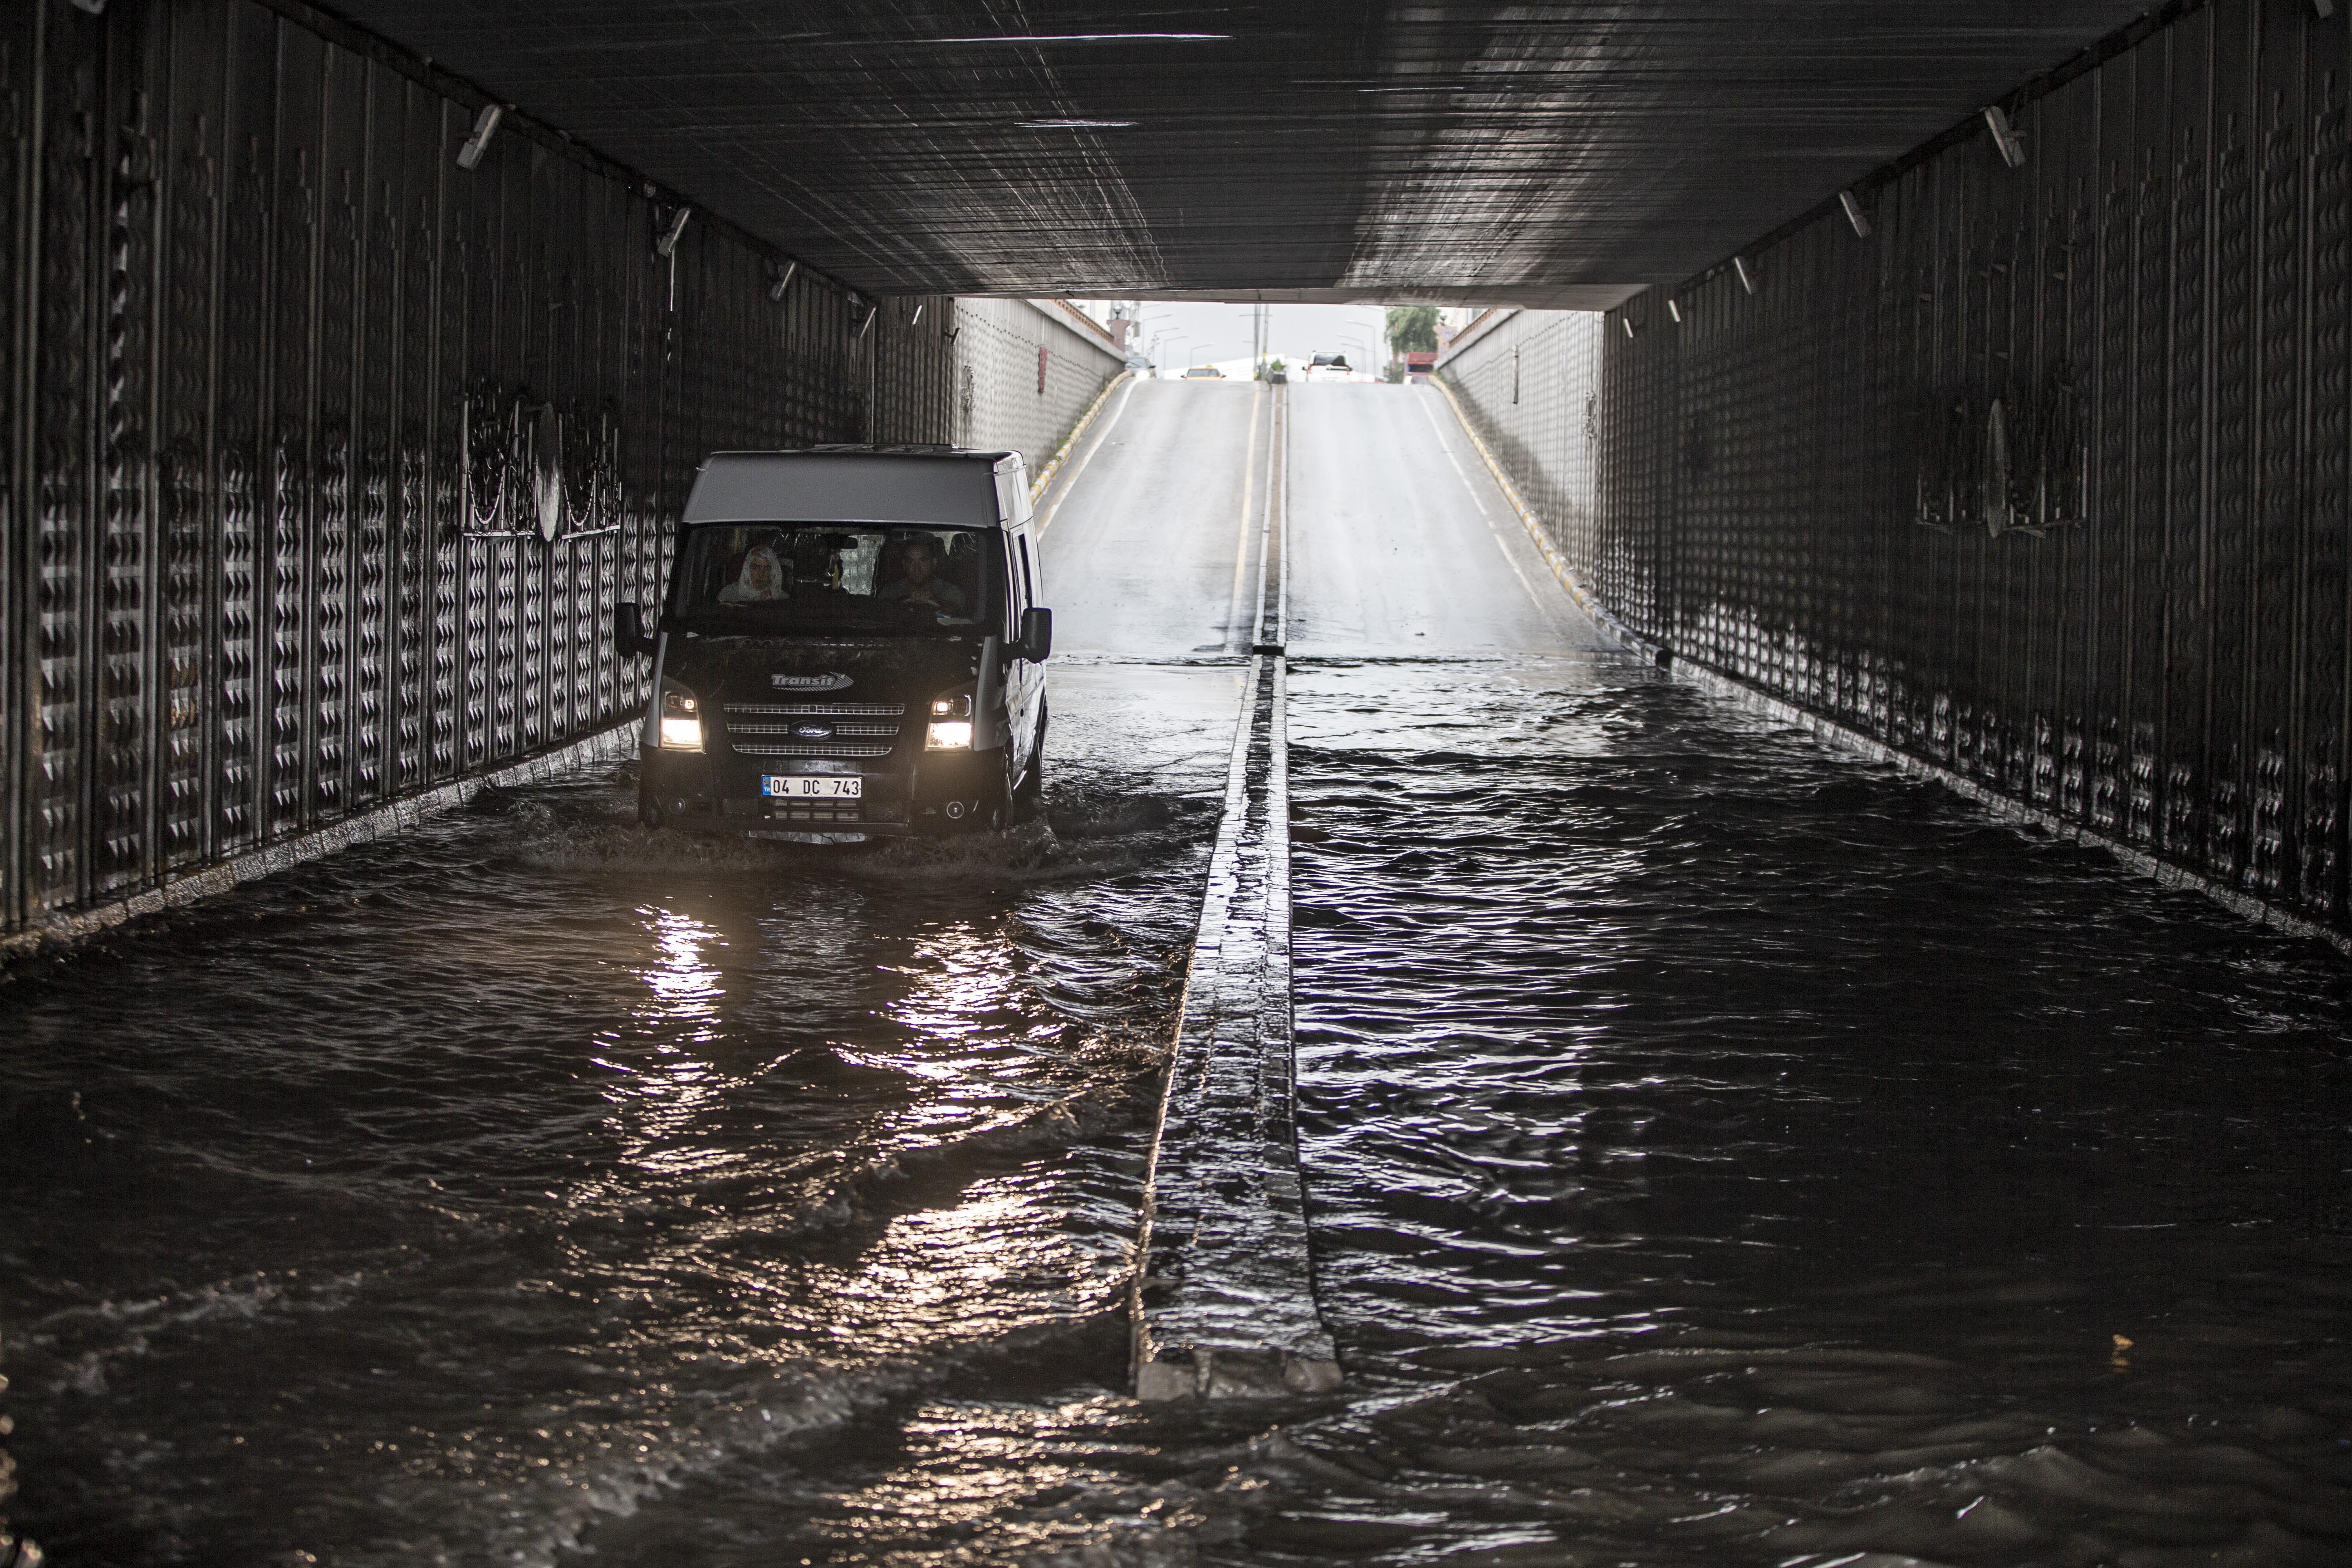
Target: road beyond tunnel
1689,1175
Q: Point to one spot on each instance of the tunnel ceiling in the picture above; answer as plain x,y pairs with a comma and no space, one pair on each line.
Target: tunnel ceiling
1559,155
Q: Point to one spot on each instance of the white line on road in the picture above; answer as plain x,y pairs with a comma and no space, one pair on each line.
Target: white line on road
1276,428
1241,543
1545,611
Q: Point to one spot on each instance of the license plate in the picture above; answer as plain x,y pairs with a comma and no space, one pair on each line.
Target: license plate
801,787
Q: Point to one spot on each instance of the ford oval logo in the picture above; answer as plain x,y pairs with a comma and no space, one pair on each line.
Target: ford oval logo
832,680
812,731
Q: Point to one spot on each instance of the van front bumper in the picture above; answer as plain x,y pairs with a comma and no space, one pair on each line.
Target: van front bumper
943,793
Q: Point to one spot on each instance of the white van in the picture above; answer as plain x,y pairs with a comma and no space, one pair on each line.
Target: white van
851,646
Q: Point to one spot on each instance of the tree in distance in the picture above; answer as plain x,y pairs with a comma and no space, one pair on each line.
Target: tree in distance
1412,329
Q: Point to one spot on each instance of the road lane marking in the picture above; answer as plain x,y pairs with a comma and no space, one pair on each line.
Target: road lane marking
1276,431
1070,482
1240,540
1282,544
1545,611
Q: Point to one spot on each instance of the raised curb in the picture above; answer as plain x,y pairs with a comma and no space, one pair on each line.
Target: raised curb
1044,478
66,928
1223,1302
1585,599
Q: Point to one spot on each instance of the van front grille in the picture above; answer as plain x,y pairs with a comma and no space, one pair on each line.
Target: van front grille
820,709
860,730
805,749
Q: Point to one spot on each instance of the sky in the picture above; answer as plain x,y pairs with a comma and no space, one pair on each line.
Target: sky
1220,334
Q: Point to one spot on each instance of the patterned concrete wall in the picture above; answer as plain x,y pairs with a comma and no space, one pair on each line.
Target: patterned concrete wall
2043,480
1530,380
1002,402
324,457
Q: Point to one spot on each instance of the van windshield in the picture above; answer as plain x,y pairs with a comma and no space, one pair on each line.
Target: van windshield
802,579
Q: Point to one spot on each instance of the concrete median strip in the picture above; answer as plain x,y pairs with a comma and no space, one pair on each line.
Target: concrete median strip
1225,1300
1224,1294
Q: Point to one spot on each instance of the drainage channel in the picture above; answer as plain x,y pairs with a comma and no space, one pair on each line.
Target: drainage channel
1224,1298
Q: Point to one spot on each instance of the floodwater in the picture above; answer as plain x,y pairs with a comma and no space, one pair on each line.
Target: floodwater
1718,1150
1727,1152
441,1200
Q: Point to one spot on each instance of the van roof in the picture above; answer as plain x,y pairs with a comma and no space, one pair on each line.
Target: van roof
860,448
851,484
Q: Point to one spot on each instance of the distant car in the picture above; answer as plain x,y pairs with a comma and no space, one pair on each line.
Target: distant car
1203,372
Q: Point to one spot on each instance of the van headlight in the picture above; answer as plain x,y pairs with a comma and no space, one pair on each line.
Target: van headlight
950,722
681,718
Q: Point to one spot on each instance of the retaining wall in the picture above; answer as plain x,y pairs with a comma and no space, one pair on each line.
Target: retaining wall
2042,482
1026,370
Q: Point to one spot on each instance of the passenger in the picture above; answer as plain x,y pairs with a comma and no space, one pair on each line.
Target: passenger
919,559
762,578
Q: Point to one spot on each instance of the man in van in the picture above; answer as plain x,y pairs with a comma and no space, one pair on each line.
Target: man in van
918,581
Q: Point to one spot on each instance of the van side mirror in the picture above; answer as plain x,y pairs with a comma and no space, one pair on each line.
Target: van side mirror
629,630
1036,632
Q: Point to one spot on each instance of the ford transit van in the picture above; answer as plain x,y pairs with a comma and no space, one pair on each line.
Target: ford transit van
850,647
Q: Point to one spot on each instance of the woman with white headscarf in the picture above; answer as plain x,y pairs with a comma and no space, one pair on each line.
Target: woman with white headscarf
761,578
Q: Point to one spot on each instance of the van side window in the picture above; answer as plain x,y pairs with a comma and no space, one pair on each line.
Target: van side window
1015,600
1028,583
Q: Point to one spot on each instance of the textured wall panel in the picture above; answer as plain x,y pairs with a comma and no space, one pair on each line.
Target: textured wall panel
992,385
2043,480
325,458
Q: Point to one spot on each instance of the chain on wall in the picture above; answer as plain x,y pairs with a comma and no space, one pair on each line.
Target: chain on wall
332,456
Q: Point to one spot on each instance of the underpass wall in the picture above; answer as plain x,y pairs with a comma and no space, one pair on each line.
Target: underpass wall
2041,482
1529,382
325,458
1025,372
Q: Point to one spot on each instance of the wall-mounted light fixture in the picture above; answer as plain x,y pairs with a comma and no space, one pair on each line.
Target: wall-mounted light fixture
2326,8
2005,137
871,312
1627,322
1746,278
1675,310
668,241
487,122
917,319
784,280
1853,215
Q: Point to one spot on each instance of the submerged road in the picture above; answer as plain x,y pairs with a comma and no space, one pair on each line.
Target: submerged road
1716,1150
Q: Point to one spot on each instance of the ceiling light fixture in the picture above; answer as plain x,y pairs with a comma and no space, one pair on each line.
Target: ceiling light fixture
1746,278
2005,137
1853,215
484,123
668,241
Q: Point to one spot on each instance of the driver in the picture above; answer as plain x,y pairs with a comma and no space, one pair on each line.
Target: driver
763,577
917,583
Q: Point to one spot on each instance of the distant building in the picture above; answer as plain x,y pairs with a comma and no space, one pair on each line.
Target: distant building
1418,363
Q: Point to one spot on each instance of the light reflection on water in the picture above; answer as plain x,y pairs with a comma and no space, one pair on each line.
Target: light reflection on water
464,1194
